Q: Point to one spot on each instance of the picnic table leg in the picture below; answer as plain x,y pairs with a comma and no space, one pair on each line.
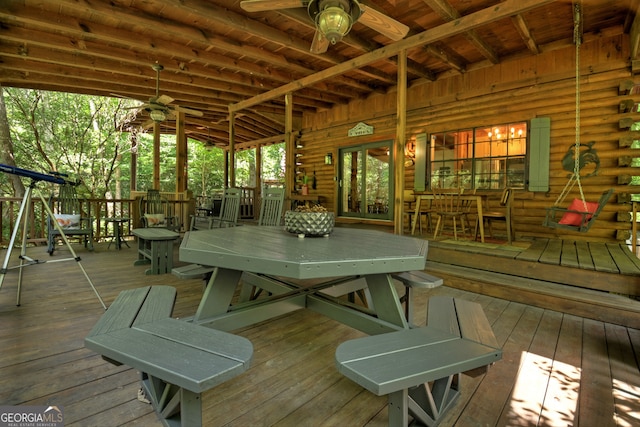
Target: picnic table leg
190,409
398,408
218,294
385,299
175,406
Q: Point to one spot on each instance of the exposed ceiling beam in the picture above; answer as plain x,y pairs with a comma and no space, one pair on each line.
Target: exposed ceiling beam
523,29
500,11
448,13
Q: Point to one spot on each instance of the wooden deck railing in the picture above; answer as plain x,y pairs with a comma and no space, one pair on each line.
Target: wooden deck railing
99,209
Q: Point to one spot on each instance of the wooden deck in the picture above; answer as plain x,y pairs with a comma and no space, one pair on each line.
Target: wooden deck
557,369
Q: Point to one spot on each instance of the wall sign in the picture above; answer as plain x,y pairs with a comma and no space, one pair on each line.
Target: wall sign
361,129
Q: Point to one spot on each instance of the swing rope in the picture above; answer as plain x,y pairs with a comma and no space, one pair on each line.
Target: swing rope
575,177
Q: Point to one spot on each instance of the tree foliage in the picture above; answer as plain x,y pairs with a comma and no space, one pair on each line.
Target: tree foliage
90,138
77,135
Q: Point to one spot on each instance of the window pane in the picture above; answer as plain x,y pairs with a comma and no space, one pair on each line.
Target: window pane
378,180
490,157
352,176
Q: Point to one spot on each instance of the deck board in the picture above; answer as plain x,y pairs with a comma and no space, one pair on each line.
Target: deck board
621,257
602,258
584,256
534,251
293,380
552,253
570,254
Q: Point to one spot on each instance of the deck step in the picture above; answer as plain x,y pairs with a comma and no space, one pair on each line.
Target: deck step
588,303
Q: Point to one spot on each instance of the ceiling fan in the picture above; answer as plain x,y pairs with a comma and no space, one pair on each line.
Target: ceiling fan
159,107
333,18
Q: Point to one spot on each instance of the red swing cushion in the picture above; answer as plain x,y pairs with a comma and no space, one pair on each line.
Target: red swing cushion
572,218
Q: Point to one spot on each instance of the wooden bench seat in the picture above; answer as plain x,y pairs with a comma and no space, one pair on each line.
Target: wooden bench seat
178,360
192,271
419,369
414,279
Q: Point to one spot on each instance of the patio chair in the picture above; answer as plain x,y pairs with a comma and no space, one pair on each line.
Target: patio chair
208,208
270,215
229,210
271,206
501,213
229,213
450,205
68,212
426,209
155,212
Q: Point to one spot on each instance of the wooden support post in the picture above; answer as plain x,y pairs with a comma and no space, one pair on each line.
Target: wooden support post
398,152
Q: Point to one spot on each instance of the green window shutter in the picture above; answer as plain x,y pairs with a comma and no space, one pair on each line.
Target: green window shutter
539,147
420,177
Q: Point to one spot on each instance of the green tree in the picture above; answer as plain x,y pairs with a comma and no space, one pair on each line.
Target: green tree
78,135
90,138
6,149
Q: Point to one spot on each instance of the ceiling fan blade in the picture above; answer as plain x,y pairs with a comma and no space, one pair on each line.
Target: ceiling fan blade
320,43
164,99
382,23
189,111
262,5
139,107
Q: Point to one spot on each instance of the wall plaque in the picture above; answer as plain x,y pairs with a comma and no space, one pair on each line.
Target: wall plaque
361,129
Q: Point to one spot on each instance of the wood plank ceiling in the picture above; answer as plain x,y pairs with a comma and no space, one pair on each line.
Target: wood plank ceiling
215,54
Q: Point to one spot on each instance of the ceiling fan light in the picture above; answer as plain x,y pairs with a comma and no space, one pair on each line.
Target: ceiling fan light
333,22
157,115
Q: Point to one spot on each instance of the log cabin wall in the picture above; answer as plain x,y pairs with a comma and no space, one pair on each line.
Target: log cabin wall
514,90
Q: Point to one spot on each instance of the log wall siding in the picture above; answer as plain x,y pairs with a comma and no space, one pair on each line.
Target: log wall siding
515,90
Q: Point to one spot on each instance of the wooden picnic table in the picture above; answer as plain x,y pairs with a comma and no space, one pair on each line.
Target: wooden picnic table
297,270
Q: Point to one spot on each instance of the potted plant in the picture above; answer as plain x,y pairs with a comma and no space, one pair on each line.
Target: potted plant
305,185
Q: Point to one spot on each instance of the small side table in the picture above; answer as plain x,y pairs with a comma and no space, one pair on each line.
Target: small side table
117,232
155,246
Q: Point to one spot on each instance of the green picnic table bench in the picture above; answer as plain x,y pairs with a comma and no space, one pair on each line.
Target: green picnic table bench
419,369
412,280
178,360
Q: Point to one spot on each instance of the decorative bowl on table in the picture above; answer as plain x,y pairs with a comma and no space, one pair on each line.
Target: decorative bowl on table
309,223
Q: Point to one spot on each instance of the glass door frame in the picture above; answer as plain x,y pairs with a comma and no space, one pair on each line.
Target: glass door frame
364,211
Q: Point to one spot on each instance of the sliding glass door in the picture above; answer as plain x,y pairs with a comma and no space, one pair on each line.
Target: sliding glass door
366,189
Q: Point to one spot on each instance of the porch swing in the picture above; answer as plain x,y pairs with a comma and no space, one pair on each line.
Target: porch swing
580,215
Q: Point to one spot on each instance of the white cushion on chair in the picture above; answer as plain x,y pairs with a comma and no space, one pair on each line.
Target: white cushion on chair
155,220
68,222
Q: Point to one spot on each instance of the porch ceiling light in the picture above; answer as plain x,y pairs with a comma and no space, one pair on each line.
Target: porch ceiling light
157,115
334,21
